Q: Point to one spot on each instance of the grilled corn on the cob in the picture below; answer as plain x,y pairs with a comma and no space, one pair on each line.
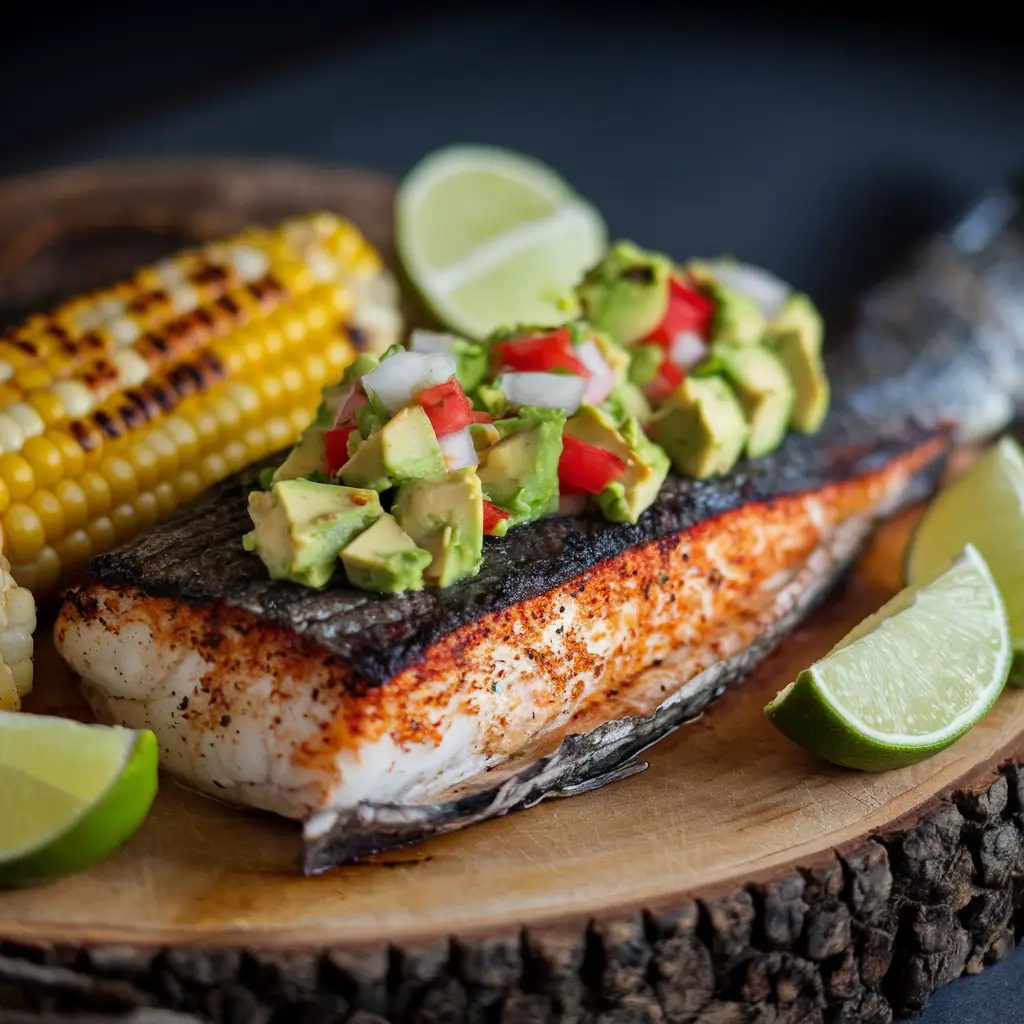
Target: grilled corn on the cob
17,624
118,406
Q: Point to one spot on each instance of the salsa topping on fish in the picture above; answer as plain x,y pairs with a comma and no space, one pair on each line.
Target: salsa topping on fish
452,440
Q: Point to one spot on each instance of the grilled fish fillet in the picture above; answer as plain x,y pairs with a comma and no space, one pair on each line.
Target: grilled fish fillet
383,720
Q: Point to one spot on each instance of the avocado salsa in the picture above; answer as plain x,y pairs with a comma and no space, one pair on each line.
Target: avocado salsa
413,458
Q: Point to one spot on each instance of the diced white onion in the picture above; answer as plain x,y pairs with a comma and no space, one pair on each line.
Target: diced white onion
687,350
601,382
544,390
458,450
431,342
26,417
355,399
572,505
767,290
404,374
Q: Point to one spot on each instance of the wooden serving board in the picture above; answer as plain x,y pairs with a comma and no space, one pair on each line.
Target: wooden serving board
737,879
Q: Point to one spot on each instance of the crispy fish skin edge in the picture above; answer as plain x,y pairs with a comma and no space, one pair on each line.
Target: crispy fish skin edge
581,762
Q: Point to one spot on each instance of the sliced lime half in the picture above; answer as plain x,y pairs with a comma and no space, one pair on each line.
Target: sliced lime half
70,794
907,681
984,507
492,238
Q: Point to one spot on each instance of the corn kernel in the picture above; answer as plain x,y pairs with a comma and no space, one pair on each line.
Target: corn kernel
144,462
280,433
293,384
102,534
185,438
188,485
205,424
167,454
121,477
125,522
147,509
165,497
245,399
74,503
48,405
300,419
9,393
213,468
229,419
5,496
18,475
338,353
24,535
273,340
97,493
75,549
70,450
48,569
51,514
270,389
235,455
45,459
255,441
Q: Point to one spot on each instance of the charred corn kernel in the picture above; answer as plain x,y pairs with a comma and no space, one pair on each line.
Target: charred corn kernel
48,405
17,475
51,514
24,535
165,497
12,437
144,462
184,437
102,534
213,467
147,509
75,548
97,493
188,485
45,459
5,496
118,472
70,452
73,502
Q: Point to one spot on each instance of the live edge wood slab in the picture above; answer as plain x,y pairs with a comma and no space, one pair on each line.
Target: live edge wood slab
736,880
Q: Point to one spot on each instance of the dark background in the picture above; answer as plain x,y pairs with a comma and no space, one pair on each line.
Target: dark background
821,144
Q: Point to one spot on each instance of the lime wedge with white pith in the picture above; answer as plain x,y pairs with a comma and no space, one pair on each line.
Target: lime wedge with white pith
984,507
491,238
910,679
70,794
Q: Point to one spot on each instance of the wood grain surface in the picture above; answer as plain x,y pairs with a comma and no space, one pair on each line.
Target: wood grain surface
736,879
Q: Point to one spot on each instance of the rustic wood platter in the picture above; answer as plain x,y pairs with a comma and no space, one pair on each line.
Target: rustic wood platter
736,879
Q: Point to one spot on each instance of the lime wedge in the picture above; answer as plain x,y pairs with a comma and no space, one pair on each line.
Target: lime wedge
70,794
491,238
984,507
910,679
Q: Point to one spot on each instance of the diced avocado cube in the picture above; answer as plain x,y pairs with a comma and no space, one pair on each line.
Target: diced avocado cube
520,473
763,387
624,500
491,400
300,526
385,558
444,516
737,317
702,427
645,361
308,456
626,295
795,335
405,448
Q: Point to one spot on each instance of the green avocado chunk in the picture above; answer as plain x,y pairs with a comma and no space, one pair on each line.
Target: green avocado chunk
445,516
644,363
385,558
520,473
796,337
308,456
737,317
702,427
624,500
405,448
626,294
763,387
300,526
470,363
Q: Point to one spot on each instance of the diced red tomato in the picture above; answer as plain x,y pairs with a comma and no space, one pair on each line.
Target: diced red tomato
482,417
538,355
492,516
447,407
668,379
336,443
688,310
586,469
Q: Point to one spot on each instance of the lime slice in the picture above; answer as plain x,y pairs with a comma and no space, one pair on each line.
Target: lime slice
70,794
985,507
491,238
910,679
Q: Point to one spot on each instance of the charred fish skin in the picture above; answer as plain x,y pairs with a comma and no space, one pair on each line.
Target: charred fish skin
934,350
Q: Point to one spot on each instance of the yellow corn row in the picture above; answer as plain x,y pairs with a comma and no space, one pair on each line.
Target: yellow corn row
119,406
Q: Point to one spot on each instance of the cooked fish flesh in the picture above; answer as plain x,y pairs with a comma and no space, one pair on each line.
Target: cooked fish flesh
382,720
